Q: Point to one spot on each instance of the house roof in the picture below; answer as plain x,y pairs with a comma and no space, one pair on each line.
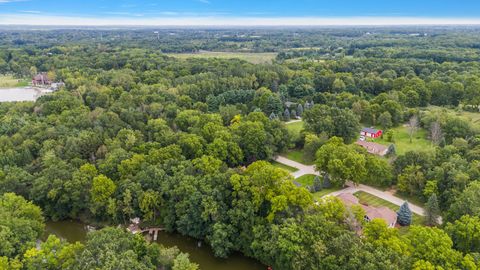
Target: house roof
348,198
41,76
373,148
371,212
383,212
370,130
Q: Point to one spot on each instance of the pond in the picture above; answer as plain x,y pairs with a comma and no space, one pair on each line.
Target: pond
19,94
75,231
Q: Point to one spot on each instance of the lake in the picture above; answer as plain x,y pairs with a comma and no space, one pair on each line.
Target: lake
19,94
75,231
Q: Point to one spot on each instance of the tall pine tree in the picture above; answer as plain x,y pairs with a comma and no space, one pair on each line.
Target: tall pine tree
299,110
432,211
286,114
326,181
294,114
307,105
317,184
404,215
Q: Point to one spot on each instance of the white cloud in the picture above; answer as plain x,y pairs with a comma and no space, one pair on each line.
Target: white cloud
11,1
31,11
120,13
204,1
169,13
37,19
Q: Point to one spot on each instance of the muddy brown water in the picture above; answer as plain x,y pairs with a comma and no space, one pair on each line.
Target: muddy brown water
73,231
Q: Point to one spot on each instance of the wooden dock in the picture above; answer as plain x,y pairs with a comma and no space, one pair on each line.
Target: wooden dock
154,232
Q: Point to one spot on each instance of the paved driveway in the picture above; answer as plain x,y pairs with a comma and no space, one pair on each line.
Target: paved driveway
305,169
302,169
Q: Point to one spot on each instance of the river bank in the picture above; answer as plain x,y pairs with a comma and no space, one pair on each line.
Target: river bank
73,231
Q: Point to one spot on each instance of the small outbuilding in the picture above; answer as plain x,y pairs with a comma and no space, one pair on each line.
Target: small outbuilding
41,79
371,133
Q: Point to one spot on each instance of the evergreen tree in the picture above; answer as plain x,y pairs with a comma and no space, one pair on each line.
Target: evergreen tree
432,210
326,181
404,215
286,114
307,105
392,150
299,110
317,184
294,114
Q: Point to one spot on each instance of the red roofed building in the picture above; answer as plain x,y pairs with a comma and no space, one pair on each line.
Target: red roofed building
371,132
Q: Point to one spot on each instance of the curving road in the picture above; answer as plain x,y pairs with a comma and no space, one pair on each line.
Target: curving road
351,188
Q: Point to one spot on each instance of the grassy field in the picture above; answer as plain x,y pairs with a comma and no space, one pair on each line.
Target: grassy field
8,81
297,155
473,117
254,58
306,180
402,140
283,166
410,198
369,199
294,129
318,195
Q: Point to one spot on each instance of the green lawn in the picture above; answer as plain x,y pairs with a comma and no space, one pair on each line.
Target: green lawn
294,129
473,117
254,58
297,155
318,195
402,140
9,81
283,166
369,199
306,180
410,198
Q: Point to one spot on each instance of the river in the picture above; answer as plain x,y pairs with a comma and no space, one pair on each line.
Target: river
74,231
20,94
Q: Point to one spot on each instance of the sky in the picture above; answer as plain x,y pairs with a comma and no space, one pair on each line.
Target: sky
239,12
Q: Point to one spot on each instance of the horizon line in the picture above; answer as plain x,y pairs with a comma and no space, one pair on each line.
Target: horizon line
209,21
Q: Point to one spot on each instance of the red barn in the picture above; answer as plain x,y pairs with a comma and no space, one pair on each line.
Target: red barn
371,133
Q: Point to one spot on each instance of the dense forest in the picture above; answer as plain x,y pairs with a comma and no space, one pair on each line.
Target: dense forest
187,144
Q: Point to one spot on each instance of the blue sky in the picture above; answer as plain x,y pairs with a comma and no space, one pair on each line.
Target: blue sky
275,12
